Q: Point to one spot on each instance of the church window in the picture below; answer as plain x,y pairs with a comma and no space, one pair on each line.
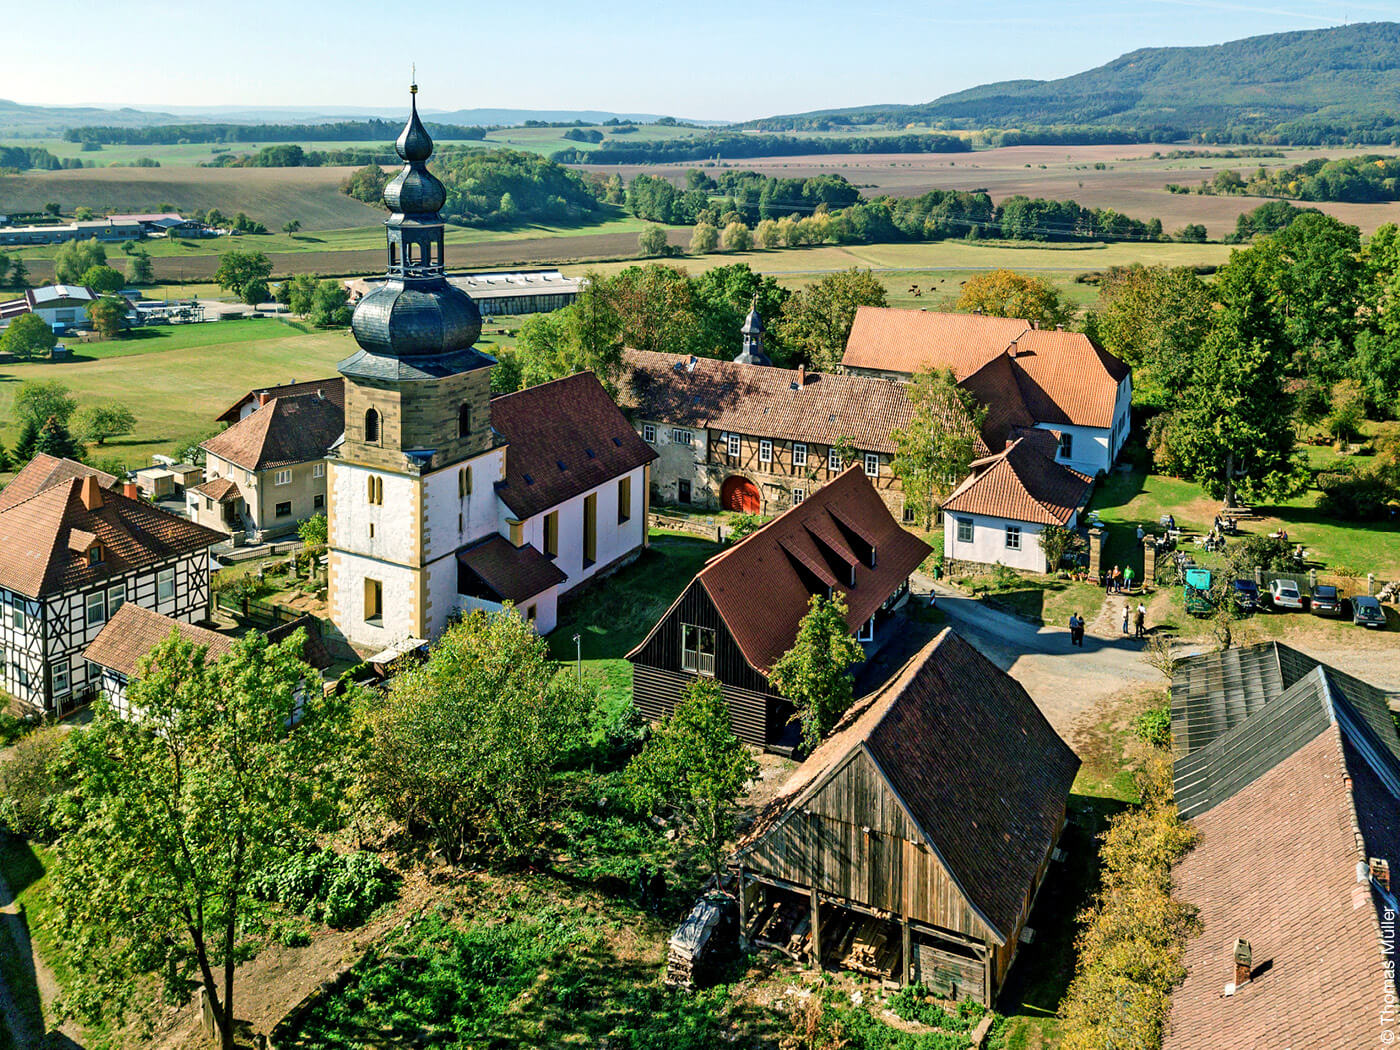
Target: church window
464,482
374,602
464,421
371,426
374,490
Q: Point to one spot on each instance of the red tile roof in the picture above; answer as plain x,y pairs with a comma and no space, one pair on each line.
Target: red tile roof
332,388
38,535
134,631
45,470
1277,866
761,586
983,775
681,390
507,573
566,437
1022,483
221,490
1059,377
296,428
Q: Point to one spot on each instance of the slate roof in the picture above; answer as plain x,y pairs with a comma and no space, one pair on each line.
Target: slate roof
45,470
760,400
565,437
1022,483
761,585
1232,746
1059,376
332,388
43,539
133,631
287,430
1277,865
505,573
983,775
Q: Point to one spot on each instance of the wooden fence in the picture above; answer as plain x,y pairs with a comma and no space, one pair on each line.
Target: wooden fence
255,610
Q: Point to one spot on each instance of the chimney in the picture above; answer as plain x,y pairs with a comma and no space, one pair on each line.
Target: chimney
131,490
1034,325
801,376
1244,962
1059,328
262,398
91,492
1380,872
1011,350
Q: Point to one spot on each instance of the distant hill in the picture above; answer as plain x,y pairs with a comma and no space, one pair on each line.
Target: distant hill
1323,85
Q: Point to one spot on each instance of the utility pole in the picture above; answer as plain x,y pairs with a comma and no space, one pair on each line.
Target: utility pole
578,655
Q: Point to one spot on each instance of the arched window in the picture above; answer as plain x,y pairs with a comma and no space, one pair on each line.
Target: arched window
371,426
464,420
374,490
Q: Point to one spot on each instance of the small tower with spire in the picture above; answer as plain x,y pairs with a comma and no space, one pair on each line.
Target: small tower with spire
752,353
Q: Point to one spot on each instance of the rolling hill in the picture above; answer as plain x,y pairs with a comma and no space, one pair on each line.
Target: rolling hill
1313,86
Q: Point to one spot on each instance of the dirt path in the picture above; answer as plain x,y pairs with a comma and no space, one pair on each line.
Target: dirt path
1064,681
23,1006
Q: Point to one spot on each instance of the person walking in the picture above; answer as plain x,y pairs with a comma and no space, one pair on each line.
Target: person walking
1076,630
1126,606
1141,620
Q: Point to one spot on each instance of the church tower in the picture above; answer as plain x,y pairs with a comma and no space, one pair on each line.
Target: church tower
413,478
753,354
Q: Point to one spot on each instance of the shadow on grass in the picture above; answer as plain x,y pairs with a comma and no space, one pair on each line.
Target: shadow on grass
21,868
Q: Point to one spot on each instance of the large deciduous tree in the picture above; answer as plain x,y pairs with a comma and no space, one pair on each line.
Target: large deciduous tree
97,423
223,770
815,674
933,451
240,268
694,766
1006,293
816,320
28,335
40,400
75,258
107,315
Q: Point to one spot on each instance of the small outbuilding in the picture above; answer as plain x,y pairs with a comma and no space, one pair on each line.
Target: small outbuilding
913,842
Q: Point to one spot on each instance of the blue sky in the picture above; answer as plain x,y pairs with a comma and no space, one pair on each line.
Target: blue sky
720,60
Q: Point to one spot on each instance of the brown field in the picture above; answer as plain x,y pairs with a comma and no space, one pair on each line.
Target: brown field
271,195
1131,181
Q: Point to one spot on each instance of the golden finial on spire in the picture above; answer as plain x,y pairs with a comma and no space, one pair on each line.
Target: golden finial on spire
413,86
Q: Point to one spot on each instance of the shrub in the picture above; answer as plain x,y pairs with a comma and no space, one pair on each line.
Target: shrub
1267,552
12,727
31,781
1154,726
341,889
1355,497
742,525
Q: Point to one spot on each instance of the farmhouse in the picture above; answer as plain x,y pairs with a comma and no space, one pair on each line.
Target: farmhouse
1026,376
746,436
60,305
914,840
72,553
58,233
742,610
995,516
1286,765
267,472
442,499
331,388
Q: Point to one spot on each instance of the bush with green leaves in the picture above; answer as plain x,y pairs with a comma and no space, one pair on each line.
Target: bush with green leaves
916,1003
1267,552
1154,726
31,781
342,890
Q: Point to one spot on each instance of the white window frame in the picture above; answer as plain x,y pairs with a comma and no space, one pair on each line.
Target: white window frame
765,450
799,454
282,477
872,464
1066,449
867,631
682,437
798,495
100,606
318,470
17,617
969,525
833,459
60,676
165,578
733,445
696,660
649,433
1013,537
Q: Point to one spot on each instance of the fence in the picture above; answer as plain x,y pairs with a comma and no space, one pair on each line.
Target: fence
265,614
695,526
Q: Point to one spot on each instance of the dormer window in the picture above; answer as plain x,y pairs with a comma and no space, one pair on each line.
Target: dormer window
371,427
94,554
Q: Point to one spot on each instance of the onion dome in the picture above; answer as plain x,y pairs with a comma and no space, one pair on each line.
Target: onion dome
415,190
406,320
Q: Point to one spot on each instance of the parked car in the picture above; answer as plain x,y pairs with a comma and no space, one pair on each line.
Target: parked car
1367,612
1246,595
1283,594
1326,601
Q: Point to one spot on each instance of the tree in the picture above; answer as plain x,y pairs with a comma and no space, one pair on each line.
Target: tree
1234,434
291,226
314,532
55,440
176,810
19,275
52,208
469,744
935,448
724,296
97,423
139,269
107,315
736,237
103,279
238,268
1320,280
300,292
1006,293
655,306
816,320
585,335
1192,233
330,306
652,241
704,239
694,766
815,673
40,400
4,267
1055,542
75,258
1348,410
28,335
767,234
27,443
255,291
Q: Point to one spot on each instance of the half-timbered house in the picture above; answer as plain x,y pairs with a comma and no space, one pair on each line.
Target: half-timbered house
71,554
130,633
912,843
742,610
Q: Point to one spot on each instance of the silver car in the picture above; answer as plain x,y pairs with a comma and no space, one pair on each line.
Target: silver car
1283,594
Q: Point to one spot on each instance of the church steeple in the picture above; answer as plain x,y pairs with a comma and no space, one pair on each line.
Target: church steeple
753,339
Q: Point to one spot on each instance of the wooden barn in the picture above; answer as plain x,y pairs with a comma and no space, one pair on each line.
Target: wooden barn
912,843
742,610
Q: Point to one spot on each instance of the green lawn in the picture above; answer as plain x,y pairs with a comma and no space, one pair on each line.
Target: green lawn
610,618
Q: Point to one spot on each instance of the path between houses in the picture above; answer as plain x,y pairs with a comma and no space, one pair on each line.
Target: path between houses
23,1007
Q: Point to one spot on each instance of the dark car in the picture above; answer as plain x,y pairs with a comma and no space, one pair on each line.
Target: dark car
1367,612
1246,595
1326,601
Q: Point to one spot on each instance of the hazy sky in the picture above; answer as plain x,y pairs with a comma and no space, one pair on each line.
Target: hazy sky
725,59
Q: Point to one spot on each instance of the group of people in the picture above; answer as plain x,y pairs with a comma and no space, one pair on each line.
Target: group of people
1138,619
1119,580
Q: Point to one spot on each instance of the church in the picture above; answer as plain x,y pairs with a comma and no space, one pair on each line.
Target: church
441,499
